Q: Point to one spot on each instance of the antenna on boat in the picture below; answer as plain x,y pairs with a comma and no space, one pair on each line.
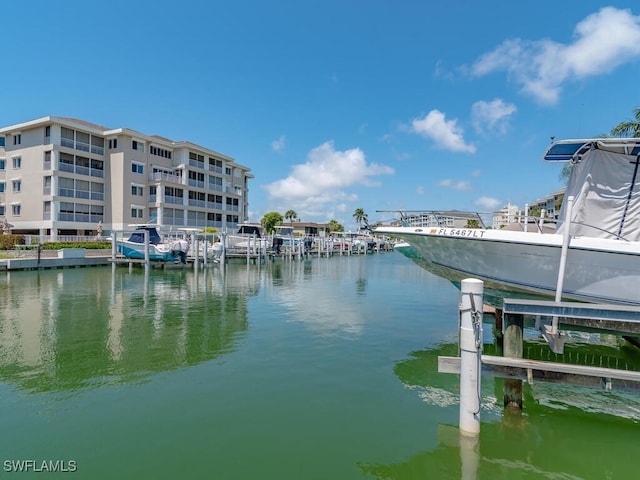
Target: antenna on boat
552,138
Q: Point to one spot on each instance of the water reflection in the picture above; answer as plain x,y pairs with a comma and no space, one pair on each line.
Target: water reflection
68,329
538,446
326,307
565,432
420,373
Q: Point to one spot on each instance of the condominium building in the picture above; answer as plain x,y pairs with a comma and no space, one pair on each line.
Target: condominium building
64,176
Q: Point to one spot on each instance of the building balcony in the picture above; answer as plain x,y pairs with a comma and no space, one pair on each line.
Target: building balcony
165,177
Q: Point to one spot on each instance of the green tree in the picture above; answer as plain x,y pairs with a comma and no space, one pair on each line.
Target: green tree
270,220
334,226
360,216
628,129
535,211
291,215
565,173
472,223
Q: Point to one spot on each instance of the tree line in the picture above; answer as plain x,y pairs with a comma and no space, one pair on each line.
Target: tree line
272,219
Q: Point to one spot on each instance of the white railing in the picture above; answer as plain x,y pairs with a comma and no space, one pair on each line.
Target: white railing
158,176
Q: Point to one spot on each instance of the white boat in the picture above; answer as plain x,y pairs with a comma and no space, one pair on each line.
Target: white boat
159,250
248,236
283,237
593,254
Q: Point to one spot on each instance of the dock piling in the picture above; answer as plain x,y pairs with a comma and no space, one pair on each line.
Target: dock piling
470,355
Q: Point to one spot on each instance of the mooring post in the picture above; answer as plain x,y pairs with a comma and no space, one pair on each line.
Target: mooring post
114,249
471,291
195,244
223,252
146,249
512,347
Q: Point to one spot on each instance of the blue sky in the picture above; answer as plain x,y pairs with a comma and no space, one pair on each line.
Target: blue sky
338,105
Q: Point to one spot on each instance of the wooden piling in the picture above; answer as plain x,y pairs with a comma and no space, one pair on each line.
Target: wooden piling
512,347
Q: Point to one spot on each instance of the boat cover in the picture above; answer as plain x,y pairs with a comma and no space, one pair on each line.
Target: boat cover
606,188
138,236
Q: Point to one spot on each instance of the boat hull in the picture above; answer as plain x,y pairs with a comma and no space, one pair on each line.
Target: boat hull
160,253
597,270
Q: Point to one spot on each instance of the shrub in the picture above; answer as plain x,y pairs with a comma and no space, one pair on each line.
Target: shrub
86,245
8,242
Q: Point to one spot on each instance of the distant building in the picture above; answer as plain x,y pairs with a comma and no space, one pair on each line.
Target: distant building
506,215
63,176
549,204
449,219
310,228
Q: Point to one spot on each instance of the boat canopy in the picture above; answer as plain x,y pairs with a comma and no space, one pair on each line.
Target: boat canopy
572,150
605,184
249,229
138,235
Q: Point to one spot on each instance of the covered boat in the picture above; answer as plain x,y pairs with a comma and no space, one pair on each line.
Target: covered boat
593,254
159,250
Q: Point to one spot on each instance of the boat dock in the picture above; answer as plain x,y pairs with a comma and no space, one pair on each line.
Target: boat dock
35,258
548,317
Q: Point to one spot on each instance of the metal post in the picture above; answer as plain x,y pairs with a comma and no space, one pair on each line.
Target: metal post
563,258
471,302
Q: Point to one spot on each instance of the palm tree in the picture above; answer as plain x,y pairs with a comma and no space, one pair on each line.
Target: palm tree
334,226
291,215
628,129
360,216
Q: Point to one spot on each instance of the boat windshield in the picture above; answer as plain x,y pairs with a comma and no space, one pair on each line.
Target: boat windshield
249,230
138,236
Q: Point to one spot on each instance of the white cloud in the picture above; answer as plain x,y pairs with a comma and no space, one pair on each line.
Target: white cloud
420,190
445,133
461,185
279,144
487,203
319,184
492,116
602,42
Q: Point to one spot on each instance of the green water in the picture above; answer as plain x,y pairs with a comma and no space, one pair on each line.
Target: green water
320,369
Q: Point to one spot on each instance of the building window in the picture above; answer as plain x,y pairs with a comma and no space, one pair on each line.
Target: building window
47,131
136,212
137,145
2,187
1,210
17,186
16,210
2,163
161,152
227,171
17,163
137,168
137,190
113,143
1,141
47,160
17,139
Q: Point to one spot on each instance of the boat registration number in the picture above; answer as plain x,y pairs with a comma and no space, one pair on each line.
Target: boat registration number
458,232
